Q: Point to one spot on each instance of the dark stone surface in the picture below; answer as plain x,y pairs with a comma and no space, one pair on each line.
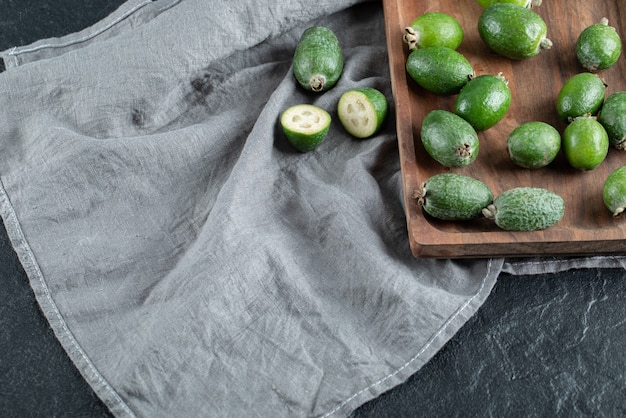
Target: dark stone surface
548,345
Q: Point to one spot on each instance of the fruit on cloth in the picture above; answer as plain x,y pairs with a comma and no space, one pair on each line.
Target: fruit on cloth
533,144
523,3
484,101
582,94
449,139
318,59
612,117
433,29
526,209
305,126
513,31
585,143
598,46
362,111
438,69
614,191
453,197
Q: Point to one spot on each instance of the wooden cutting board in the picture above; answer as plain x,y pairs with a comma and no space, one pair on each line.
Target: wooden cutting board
588,227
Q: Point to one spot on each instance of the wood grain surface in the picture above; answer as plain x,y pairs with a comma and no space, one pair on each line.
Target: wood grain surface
587,227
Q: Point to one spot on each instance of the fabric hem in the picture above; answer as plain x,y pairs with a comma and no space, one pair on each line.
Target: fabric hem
51,312
535,266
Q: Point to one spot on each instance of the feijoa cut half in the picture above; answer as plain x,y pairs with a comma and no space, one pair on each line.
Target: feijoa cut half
305,126
438,69
318,59
433,29
614,192
449,139
362,111
454,197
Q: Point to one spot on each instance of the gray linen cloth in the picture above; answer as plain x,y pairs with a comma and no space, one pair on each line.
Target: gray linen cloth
191,262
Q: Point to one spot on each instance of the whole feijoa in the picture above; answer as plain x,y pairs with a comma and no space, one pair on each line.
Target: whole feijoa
513,31
598,46
614,191
533,144
523,3
449,139
318,59
582,94
526,209
438,69
433,29
585,143
484,101
613,117
454,197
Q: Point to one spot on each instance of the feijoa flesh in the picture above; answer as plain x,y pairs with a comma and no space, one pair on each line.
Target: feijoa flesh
526,209
484,101
433,29
438,69
598,46
614,191
362,111
318,59
513,31
580,95
454,197
585,143
533,144
612,117
305,126
449,139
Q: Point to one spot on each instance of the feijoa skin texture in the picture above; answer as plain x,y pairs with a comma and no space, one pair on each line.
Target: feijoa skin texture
433,29
533,144
585,143
614,192
513,31
526,209
613,117
454,197
438,69
598,46
449,139
318,59
484,101
582,94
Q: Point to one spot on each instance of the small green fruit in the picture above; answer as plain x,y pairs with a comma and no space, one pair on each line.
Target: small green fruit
582,94
613,117
484,101
305,126
362,111
318,59
449,139
438,69
533,144
585,143
433,29
598,46
454,197
614,192
526,209
513,31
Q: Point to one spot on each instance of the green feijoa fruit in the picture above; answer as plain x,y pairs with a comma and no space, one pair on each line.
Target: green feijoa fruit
523,3
454,197
533,144
526,209
614,191
484,101
582,94
585,143
598,46
318,59
513,31
305,126
449,139
362,111
438,69
433,29
613,117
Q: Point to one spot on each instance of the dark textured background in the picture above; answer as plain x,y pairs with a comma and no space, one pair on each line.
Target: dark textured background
549,345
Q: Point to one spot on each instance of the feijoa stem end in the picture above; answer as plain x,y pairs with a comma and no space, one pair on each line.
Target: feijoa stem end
317,82
410,38
490,212
546,43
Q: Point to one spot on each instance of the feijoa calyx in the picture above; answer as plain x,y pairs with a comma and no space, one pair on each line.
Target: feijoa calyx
454,197
484,101
318,59
614,191
449,139
441,70
526,209
433,29
513,31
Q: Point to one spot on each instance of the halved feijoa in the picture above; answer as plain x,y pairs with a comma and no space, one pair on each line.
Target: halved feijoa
362,111
305,126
